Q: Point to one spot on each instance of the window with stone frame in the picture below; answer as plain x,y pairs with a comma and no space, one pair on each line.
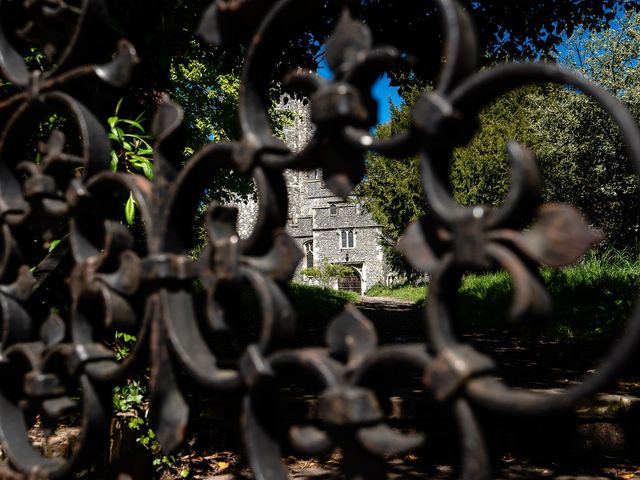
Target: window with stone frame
347,238
308,250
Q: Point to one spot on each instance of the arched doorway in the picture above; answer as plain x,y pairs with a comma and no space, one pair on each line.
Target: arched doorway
351,282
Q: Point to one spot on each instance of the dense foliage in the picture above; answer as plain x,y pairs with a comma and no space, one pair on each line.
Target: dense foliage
591,300
204,79
480,170
506,28
391,190
580,152
327,273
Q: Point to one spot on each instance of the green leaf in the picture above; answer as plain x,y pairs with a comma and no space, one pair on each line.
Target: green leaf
184,473
128,338
136,136
148,170
114,161
135,423
118,106
144,164
113,121
130,210
53,245
133,123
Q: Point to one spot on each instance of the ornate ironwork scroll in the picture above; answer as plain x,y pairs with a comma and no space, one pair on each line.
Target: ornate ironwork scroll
53,358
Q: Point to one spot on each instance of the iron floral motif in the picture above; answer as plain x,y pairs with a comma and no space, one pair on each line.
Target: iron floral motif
41,373
349,411
479,238
37,91
111,277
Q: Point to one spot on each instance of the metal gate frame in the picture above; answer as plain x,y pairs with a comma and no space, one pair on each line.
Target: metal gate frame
115,282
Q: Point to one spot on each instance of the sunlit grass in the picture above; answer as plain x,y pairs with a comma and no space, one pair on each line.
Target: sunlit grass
412,293
592,298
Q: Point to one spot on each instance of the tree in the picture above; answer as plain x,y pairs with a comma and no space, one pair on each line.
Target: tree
199,76
391,190
581,152
506,28
163,33
582,157
480,170
209,95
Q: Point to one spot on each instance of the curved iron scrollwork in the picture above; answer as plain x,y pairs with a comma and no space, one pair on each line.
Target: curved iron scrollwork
53,361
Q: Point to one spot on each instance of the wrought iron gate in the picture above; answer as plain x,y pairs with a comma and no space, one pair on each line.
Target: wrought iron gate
53,362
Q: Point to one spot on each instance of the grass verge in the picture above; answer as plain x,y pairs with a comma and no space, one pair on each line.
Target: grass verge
316,301
590,300
315,308
412,293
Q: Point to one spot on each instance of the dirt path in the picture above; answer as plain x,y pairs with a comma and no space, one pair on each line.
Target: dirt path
527,362
386,303
411,467
524,359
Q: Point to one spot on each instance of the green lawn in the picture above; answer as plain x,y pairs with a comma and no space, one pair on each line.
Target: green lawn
593,298
315,301
413,293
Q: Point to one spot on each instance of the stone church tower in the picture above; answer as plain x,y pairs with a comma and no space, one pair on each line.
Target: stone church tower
327,228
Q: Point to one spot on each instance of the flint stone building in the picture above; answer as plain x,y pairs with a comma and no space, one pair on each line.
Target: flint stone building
326,227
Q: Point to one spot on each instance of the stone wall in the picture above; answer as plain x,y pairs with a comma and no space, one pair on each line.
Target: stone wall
311,218
296,133
366,256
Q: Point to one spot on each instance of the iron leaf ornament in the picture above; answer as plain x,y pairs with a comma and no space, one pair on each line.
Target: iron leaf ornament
480,238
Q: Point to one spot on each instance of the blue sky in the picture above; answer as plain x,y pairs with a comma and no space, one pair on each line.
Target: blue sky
382,91
565,49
